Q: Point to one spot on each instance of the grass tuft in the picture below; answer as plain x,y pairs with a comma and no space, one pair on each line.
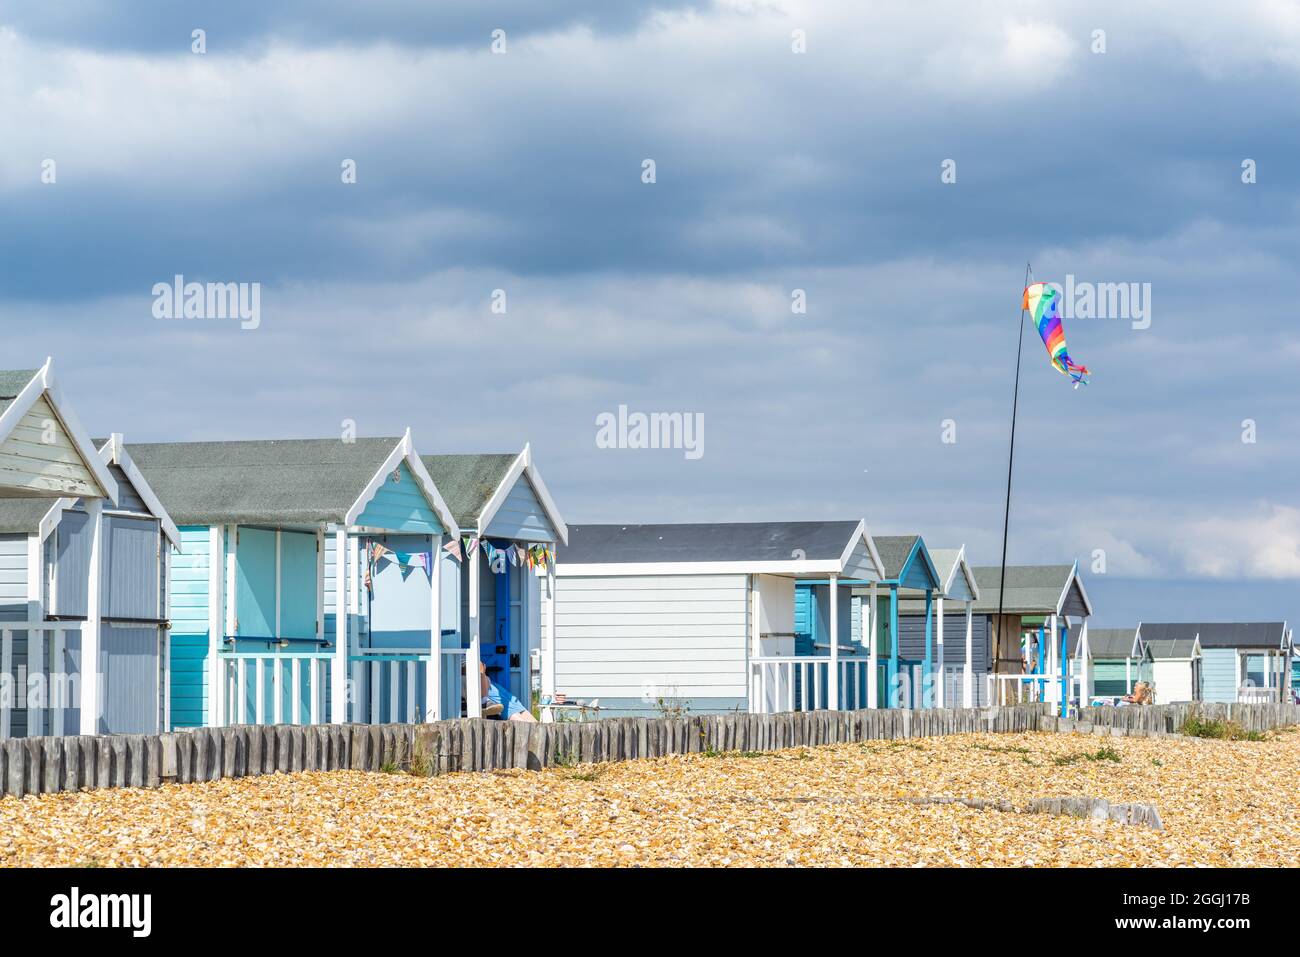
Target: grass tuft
1195,726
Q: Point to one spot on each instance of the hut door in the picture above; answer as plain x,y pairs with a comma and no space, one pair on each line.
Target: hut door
130,639
500,654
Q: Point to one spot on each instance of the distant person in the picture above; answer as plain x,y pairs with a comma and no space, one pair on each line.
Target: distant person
1141,694
496,700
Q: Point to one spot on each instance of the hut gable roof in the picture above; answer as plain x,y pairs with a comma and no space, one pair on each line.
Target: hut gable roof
1031,589
1220,634
273,481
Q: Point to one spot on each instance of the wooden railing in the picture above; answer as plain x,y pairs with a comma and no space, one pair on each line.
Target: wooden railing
276,687
45,687
802,683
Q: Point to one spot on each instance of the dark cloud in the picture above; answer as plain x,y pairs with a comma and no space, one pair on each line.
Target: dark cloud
774,172
162,26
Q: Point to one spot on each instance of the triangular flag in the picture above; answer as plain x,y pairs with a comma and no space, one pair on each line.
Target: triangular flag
452,548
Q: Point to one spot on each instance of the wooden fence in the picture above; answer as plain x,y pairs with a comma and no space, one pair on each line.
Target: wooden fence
1169,718
49,764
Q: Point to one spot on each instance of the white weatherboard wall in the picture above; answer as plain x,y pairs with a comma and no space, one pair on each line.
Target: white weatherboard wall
630,641
1219,677
40,456
1173,681
775,614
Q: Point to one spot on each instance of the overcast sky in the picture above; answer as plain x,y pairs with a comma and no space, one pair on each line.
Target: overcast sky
775,170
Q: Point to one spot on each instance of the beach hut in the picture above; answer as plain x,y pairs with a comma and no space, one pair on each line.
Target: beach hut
1175,669
1029,644
310,588
1240,661
55,487
510,527
960,643
656,619
137,539
1119,660
906,662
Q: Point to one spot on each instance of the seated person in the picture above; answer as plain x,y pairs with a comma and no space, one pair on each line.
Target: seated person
496,700
1141,694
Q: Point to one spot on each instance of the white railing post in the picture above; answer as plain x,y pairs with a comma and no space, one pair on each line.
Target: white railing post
314,669
873,652
339,672
938,640
58,661
548,654
36,679
1085,692
433,675
833,673
968,670
35,636
473,684
216,619
90,701
277,688
232,607
8,702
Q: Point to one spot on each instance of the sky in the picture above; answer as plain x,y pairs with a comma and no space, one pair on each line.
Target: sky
892,166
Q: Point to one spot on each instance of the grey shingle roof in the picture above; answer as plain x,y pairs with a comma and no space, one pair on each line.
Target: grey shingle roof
894,550
1110,642
13,381
274,481
1031,589
944,559
1219,634
22,515
1166,648
706,542
468,481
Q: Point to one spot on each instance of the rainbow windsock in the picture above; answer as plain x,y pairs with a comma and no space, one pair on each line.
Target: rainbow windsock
1043,303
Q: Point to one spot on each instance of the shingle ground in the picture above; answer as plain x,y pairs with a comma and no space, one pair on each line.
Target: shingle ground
1222,803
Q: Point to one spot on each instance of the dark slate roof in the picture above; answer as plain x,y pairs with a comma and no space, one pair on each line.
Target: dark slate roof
706,542
1109,642
893,550
13,381
1166,648
1219,634
273,481
466,482
1031,589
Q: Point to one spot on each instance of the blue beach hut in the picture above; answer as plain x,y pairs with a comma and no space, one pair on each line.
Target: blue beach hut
510,528
299,598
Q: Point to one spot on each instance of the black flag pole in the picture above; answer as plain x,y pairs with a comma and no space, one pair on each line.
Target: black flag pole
1011,457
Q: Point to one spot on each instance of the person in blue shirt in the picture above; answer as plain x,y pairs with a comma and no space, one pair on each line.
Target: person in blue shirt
498,702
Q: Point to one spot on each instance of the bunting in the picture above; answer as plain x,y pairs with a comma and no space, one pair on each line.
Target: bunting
499,559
